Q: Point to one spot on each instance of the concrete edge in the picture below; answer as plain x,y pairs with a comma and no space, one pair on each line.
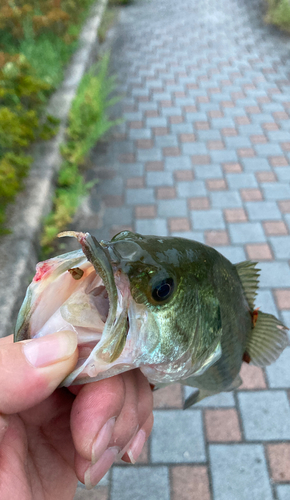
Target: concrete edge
19,250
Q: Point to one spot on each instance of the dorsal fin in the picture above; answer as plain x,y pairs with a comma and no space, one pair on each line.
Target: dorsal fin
249,275
266,340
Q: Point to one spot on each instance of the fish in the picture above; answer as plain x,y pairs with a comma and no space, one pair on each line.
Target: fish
174,308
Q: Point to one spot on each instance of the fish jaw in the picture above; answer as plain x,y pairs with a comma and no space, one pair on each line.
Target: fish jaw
66,293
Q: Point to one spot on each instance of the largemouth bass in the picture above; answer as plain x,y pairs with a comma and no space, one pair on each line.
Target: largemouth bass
174,308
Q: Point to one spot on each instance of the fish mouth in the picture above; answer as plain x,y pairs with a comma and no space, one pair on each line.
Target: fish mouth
107,292
82,292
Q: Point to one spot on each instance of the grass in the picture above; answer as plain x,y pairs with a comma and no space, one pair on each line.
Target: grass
88,121
109,19
279,14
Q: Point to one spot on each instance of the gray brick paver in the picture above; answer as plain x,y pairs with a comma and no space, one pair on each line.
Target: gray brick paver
187,61
169,442
266,415
239,472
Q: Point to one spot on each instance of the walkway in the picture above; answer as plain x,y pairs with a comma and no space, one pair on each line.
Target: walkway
204,153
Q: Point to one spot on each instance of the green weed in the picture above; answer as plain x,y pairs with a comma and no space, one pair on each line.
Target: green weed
109,19
88,121
279,14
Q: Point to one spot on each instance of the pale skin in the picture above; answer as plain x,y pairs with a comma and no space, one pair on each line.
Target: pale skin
51,437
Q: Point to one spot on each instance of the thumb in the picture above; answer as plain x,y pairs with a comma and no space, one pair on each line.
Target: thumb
31,370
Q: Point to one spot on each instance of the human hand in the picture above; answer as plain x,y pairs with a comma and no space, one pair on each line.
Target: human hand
49,437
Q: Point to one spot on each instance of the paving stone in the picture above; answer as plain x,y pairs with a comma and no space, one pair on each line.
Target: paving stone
222,425
168,397
232,168
276,191
164,141
253,377
279,374
152,154
283,174
177,208
281,246
237,181
209,135
194,148
283,491
265,414
262,118
224,156
196,117
283,298
275,228
248,130
265,301
222,123
166,193
255,164
259,251
240,478
190,235
154,179
268,149
237,142
221,400
262,210
181,128
208,171
179,224
233,253
279,461
193,188
170,442
97,493
156,226
190,483
180,163
140,196
279,136
145,211
246,232
131,483
287,219
183,175
274,274
230,199
207,219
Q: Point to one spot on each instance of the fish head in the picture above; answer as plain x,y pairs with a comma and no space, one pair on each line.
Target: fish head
135,302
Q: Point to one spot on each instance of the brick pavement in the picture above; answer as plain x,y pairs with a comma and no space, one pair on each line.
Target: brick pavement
203,153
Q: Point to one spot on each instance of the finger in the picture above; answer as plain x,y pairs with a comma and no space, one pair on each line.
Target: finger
6,340
94,413
136,447
130,402
31,370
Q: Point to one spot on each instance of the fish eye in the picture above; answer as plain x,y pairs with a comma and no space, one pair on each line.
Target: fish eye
163,290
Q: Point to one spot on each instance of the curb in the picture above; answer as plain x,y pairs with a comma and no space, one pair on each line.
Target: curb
19,250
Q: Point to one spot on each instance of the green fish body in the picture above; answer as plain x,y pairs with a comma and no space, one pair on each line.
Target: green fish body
175,308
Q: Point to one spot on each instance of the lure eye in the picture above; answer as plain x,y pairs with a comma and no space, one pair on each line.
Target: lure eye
163,290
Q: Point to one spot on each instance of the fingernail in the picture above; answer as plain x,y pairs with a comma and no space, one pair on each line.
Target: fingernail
50,349
95,472
136,446
3,426
101,442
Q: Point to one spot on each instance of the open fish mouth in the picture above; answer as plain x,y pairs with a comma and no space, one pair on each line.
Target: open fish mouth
83,293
